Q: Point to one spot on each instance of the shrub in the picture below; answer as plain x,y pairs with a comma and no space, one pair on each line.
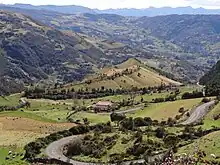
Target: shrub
160,132
138,122
205,100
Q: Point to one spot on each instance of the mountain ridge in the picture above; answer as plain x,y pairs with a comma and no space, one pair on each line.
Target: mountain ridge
51,53
151,11
182,55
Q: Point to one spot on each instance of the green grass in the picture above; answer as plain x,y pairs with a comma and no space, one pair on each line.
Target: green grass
162,111
118,148
159,111
209,121
16,161
209,143
52,115
92,117
10,100
25,114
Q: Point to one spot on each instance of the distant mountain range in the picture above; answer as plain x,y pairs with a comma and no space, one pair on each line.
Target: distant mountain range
71,9
152,11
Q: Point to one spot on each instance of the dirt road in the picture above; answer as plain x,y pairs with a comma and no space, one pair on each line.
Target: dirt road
199,113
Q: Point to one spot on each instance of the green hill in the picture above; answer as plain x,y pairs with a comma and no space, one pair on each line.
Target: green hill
212,80
131,73
34,52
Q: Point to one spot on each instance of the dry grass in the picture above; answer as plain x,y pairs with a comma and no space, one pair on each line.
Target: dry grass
143,77
147,78
19,131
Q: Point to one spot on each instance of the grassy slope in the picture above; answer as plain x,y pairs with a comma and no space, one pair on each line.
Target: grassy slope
209,143
16,161
147,78
209,121
160,111
10,100
25,114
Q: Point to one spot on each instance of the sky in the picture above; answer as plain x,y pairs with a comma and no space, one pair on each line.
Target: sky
106,4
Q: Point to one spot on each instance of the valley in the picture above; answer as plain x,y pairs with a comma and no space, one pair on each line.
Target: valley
81,87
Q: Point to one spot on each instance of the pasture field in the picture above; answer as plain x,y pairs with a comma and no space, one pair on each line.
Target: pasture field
11,100
57,111
209,143
209,121
159,111
11,161
162,111
143,77
16,132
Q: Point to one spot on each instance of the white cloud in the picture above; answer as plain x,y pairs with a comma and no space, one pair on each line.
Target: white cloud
104,4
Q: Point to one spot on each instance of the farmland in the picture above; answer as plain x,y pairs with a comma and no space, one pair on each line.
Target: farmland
129,74
45,116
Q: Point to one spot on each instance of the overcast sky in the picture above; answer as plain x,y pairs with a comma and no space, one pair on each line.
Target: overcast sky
104,4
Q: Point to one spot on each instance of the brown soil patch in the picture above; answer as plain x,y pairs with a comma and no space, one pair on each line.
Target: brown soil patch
23,124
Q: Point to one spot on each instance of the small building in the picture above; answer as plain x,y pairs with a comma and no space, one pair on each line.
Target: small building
103,106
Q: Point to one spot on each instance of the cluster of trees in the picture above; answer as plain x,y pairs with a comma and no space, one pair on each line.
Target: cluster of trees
132,124
194,94
62,94
191,132
212,81
94,146
141,147
171,97
127,71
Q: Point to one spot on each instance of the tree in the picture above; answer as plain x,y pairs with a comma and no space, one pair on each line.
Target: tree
117,117
128,123
86,121
171,141
140,122
160,132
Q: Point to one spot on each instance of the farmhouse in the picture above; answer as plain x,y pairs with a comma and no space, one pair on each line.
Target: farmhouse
103,106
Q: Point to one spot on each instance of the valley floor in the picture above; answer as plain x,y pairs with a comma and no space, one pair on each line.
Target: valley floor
43,117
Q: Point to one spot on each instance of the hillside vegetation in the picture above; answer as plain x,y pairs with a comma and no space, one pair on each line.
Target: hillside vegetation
129,74
177,43
50,55
212,80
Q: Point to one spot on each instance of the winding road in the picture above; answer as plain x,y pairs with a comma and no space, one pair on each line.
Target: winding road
198,113
55,149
